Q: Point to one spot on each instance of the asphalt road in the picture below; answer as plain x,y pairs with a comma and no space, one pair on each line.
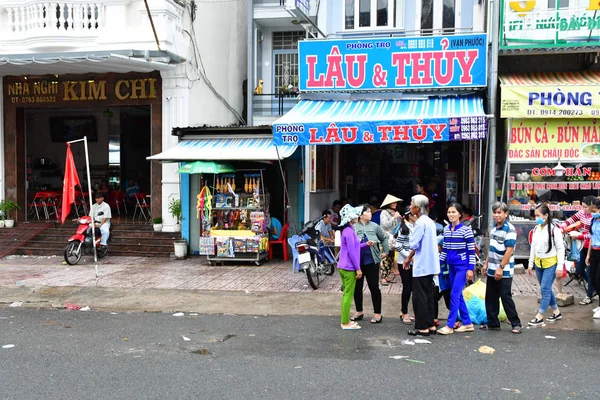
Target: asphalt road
61,354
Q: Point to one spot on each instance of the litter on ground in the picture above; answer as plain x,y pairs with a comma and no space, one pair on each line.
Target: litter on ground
550,337
415,361
408,342
487,350
178,314
8,346
398,357
187,339
512,390
16,304
422,341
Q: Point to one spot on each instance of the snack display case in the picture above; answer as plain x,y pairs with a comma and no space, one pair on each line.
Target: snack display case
561,185
236,227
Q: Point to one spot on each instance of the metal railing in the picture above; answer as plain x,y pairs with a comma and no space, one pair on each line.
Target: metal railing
273,104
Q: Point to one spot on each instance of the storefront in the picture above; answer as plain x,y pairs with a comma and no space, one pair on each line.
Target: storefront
120,114
403,103
226,211
553,146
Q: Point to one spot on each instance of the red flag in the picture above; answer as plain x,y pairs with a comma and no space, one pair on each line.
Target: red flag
71,179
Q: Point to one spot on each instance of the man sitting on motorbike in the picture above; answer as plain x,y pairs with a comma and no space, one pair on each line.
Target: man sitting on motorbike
101,215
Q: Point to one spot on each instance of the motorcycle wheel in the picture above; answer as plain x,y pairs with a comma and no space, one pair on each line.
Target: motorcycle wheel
330,269
72,256
312,275
101,253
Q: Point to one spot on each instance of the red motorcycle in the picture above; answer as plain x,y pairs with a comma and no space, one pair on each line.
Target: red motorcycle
82,242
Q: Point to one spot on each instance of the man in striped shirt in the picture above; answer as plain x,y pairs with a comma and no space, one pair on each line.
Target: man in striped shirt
500,266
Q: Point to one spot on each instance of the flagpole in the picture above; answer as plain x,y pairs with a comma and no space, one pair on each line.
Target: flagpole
87,167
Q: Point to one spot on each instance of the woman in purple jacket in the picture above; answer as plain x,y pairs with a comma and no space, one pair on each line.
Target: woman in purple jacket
349,261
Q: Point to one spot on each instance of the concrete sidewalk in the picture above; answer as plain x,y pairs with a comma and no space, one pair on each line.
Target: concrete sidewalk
151,284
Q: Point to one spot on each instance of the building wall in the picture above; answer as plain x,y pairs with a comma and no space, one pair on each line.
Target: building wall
221,31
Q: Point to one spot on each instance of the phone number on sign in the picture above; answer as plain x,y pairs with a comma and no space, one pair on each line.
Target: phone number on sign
565,113
33,99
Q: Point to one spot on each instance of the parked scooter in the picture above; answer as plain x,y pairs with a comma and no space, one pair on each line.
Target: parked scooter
314,257
82,242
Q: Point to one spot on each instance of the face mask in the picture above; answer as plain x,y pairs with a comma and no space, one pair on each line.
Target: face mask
539,221
596,215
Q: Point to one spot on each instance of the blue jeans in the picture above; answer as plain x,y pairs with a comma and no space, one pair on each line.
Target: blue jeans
584,271
458,279
546,278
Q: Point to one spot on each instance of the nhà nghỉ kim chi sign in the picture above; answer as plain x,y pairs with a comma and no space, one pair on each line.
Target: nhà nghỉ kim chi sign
532,24
550,101
393,63
382,132
553,139
47,91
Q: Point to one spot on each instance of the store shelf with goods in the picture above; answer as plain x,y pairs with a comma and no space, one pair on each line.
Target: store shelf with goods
238,219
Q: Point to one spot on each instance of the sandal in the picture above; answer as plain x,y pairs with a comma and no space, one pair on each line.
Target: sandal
357,317
407,321
385,283
353,327
445,331
376,320
517,329
489,328
465,328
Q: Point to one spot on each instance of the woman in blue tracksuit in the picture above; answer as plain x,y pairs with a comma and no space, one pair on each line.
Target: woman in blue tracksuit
459,254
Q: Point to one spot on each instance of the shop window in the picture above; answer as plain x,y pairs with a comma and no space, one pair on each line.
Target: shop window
373,14
324,168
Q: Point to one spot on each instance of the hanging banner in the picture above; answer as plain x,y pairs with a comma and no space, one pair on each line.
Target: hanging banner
567,140
537,24
384,132
550,102
431,62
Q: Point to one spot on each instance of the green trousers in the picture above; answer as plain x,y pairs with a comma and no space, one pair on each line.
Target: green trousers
349,282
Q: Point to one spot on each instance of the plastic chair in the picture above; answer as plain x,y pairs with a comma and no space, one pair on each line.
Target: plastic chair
38,202
118,198
142,206
292,242
51,205
281,241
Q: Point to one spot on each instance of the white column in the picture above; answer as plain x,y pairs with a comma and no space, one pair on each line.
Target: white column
1,139
175,109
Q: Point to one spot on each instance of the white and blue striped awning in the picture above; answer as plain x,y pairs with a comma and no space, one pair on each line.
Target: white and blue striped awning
254,148
382,121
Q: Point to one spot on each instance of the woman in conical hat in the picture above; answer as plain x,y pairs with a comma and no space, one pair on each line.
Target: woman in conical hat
388,221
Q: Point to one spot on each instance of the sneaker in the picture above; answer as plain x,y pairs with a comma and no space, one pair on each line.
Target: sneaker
597,315
554,317
538,322
596,309
586,300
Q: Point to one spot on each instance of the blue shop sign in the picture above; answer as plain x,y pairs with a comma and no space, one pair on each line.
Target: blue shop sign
428,62
327,122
